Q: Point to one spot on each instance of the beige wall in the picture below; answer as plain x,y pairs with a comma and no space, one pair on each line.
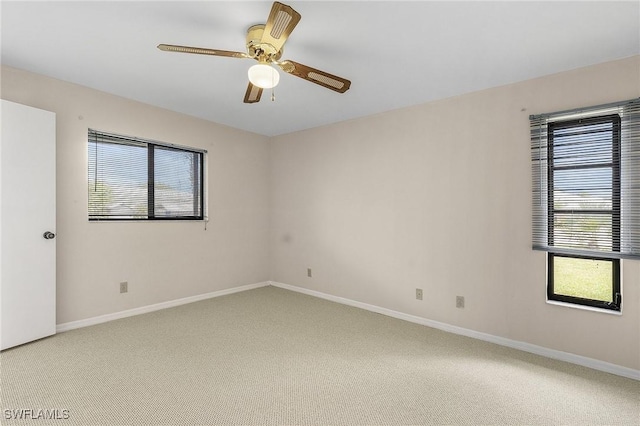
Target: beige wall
435,196
162,261
438,197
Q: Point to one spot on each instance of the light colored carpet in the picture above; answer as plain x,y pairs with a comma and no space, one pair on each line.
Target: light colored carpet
271,356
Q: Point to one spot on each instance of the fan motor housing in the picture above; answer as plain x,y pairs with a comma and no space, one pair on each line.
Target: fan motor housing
263,52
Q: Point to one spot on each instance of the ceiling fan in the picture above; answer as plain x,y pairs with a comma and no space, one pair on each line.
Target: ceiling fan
264,44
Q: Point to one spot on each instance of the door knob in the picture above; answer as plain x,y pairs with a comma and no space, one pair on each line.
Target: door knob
49,235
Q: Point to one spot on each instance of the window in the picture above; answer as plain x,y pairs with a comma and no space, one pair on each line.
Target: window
135,179
586,200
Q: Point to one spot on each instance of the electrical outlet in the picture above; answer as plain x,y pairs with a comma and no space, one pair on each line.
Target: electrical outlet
419,293
309,274
124,287
459,301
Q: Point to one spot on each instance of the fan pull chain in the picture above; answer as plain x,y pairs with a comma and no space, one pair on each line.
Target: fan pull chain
273,97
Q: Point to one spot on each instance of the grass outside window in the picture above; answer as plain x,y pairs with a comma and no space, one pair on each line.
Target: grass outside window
583,278
590,281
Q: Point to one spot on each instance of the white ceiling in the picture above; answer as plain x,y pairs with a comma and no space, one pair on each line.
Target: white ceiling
396,54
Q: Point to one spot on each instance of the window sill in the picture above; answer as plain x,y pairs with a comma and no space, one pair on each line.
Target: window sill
585,308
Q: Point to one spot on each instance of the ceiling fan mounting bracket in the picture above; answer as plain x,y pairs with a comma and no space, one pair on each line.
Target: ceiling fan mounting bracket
262,52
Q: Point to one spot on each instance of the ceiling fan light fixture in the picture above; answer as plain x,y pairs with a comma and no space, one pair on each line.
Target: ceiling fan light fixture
264,44
264,76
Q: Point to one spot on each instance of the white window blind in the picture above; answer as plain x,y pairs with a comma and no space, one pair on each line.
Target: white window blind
136,179
586,181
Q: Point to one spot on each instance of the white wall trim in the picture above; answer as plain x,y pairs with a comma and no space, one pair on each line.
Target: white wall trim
515,344
155,307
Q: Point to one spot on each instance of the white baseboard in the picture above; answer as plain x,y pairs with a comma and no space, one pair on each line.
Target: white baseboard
150,308
523,346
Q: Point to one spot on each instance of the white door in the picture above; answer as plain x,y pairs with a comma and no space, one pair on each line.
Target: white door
27,212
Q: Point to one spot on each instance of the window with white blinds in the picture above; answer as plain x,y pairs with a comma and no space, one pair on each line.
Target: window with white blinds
586,181
136,179
586,199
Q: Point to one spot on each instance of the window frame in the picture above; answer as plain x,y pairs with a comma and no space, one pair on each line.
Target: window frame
616,294
150,148
615,211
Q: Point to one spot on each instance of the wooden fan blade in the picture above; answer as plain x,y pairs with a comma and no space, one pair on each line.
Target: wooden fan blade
313,75
201,51
253,94
281,22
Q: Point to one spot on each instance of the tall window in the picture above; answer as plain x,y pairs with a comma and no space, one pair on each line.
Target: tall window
135,179
586,200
